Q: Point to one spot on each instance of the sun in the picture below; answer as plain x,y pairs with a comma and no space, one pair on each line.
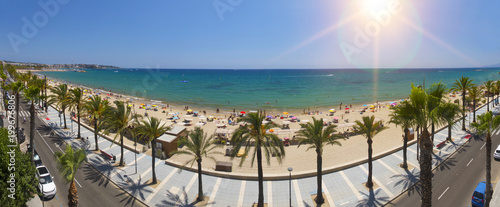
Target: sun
375,5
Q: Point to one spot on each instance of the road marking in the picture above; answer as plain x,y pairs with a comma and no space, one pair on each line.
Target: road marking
443,193
354,190
470,162
327,194
482,146
45,142
214,192
160,186
269,194
344,203
78,183
242,193
387,166
379,183
300,202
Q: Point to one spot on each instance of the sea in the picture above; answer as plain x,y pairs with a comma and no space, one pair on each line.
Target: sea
273,89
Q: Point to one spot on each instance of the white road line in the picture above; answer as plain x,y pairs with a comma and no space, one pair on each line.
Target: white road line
470,162
300,202
269,194
354,190
45,142
78,183
443,193
242,193
327,194
214,192
387,166
378,182
155,190
344,203
482,146
188,187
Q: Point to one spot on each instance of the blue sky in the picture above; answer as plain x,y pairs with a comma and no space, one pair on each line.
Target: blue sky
241,34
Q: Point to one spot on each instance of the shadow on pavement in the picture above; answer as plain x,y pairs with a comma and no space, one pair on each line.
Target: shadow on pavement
174,200
409,181
95,176
136,189
371,199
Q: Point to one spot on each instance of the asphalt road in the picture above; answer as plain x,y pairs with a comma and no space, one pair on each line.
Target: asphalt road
455,180
93,188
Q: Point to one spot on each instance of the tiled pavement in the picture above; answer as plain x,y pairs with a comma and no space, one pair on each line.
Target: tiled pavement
179,188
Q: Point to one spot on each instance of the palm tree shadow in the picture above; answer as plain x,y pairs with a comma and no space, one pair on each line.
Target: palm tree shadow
371,199
447,164
440,159
477,137
101,177
174,200
409,181
135,189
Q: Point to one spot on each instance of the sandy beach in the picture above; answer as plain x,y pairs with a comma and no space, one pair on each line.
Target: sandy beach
353,148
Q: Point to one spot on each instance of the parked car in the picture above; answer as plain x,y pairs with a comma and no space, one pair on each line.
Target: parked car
496,154
37,159
479,195
46,184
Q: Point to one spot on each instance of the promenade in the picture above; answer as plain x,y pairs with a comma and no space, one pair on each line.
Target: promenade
179,188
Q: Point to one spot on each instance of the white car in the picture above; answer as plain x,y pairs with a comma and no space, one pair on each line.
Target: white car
496,154
46,184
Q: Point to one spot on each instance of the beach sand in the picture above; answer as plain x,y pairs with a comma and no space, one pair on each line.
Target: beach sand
353,149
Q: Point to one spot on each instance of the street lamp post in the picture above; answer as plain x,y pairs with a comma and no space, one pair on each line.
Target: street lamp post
60,121
290,185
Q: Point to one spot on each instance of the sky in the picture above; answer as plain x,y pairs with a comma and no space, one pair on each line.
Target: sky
252,34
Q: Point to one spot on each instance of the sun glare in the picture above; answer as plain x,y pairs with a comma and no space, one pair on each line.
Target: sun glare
375,5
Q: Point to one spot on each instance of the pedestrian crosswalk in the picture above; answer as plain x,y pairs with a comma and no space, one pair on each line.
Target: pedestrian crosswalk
24,113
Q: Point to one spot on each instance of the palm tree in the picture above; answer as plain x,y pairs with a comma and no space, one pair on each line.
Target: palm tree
16,88
475,95
198,145
256,131
151,129
486,124
402,115
32,94
462,85
97,108
60,97
369,128
119,119
488,86
496,86
68,163
449,113
436,90
76,101
314,134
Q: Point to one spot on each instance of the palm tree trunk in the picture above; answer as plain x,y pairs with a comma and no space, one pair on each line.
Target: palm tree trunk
426,168
95,134
405,147
418,146
488,102
78,111
369,183
153,144
488,170
121,146
72,195
463,110
432,129
474,111
64,117
261,176
449,132
319,179
32,131
200,183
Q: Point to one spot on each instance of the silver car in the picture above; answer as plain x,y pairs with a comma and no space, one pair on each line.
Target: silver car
496,154
46,184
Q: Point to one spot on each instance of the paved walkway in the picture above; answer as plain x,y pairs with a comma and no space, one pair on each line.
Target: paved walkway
179,188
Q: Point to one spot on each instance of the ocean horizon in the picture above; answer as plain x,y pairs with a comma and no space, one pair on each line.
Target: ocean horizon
269,89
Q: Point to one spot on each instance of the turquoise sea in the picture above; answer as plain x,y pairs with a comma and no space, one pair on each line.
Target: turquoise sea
279,89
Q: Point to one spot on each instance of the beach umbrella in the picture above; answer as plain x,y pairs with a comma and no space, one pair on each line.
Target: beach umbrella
242,112
154,105
286,113
294,117
189,110
365,105
332,110
195,112
393,104
130,105
346,108
335,117
269,116
176,118
372,106
143,104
